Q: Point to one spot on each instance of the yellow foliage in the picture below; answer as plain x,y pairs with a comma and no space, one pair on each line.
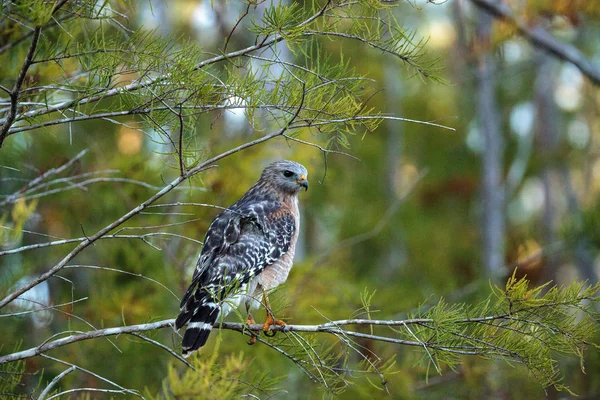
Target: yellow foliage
11,232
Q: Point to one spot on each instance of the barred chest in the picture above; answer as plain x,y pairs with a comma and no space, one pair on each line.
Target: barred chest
277,273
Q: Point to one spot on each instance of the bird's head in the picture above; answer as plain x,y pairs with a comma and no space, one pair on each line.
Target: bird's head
287,176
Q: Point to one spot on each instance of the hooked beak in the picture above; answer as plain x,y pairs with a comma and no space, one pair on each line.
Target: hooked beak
303,182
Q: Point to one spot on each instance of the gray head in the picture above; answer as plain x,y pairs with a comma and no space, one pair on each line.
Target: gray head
287,176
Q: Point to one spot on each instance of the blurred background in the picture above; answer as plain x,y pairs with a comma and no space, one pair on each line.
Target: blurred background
426,213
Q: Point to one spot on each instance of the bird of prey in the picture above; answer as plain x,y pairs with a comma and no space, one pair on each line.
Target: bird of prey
248,250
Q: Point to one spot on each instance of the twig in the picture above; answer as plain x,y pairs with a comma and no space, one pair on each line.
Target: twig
244,14
87,390
54,381
80,239
14,94
124,272
368,117
54,307
165,348
180,151
53,171
133,392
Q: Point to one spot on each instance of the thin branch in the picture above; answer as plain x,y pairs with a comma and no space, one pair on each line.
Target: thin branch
26,36
180,151
133,392
44,308
14,94
54,381
244,14
540,37
369,117
50,345
53,171
81,185
87,390
125,272
405,59
165,348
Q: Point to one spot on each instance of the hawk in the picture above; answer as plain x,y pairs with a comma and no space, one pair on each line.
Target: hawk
248,250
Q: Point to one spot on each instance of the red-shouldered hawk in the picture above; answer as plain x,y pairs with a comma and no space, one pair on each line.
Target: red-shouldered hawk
248,250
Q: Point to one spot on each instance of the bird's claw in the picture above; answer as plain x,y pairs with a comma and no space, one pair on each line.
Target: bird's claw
249,322
269,323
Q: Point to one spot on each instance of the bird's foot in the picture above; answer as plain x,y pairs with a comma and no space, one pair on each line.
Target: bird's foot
249,322
271,322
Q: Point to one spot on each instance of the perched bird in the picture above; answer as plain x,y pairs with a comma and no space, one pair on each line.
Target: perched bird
248,250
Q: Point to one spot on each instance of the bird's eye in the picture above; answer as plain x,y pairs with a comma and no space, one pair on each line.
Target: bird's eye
288,174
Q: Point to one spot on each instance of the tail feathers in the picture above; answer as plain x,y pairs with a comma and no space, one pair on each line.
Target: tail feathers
201,322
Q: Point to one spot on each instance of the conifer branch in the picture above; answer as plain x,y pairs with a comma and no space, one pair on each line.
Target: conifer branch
141,207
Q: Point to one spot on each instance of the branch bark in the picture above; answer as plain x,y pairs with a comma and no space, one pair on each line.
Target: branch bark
333,327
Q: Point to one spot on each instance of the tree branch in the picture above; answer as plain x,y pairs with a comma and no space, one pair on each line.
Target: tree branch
14,94
53,171
332,327
54,381
150,82
542,38
189,173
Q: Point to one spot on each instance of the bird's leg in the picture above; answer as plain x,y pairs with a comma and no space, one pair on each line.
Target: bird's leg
270,320
249,322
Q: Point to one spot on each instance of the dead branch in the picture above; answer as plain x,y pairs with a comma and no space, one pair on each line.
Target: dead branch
540,37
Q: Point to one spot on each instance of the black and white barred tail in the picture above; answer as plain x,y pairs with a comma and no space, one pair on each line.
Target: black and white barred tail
202,314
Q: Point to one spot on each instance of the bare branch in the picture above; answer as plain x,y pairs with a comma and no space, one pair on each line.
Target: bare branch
133,392
54,381
53,171
43,308
539,36
87,390
14,94
241,17
124,272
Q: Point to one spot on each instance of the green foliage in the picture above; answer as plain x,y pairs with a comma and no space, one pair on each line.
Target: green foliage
104,73
518,324
10,378
217,376
98,80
